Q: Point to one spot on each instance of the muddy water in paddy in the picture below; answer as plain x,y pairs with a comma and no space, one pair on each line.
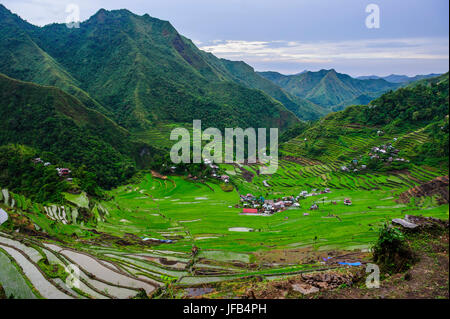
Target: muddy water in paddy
240,229
46,289
100,271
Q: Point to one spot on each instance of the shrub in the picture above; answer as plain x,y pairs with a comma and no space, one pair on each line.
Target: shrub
391,252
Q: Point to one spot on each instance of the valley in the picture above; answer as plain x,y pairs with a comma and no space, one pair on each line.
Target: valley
182,230
92,207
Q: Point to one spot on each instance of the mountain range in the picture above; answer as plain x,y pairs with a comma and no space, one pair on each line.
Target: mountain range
120,82
329,89
140,71
395,78
416,114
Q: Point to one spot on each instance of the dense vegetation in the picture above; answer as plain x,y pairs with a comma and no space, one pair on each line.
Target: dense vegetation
19,174
424,105
390,251
413,106
52,121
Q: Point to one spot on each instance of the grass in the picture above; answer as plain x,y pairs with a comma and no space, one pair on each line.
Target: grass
79,200
196,210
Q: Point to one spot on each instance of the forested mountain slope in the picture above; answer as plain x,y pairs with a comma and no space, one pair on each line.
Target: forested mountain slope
139,71
52,121
330,89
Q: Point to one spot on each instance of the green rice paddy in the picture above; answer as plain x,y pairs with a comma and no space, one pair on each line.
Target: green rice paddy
189,214
186,210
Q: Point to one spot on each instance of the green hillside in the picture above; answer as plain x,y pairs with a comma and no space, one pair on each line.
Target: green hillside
52,121
22,58
139,71
417,114
429,81
245,74
329,89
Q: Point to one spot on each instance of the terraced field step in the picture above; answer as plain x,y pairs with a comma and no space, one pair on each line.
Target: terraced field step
97,278
44,285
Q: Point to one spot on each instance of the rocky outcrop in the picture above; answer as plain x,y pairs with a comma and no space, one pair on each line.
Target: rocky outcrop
404,223
328,280
418,223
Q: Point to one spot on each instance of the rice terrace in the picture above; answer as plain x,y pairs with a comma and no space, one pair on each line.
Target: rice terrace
93,207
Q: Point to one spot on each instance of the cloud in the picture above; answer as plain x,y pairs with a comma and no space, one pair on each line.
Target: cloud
413,38
326,52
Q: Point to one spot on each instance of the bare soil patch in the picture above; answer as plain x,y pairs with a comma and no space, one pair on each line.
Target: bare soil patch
438,186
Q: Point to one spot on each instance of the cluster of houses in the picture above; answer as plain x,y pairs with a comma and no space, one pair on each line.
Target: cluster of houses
385,153
62,172
258,205
214,171
38,160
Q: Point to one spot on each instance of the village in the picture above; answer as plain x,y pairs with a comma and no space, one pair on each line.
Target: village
214,171
258,205
249,203
254,205
385,153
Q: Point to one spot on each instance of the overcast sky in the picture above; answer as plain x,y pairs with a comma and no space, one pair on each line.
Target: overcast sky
290,36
